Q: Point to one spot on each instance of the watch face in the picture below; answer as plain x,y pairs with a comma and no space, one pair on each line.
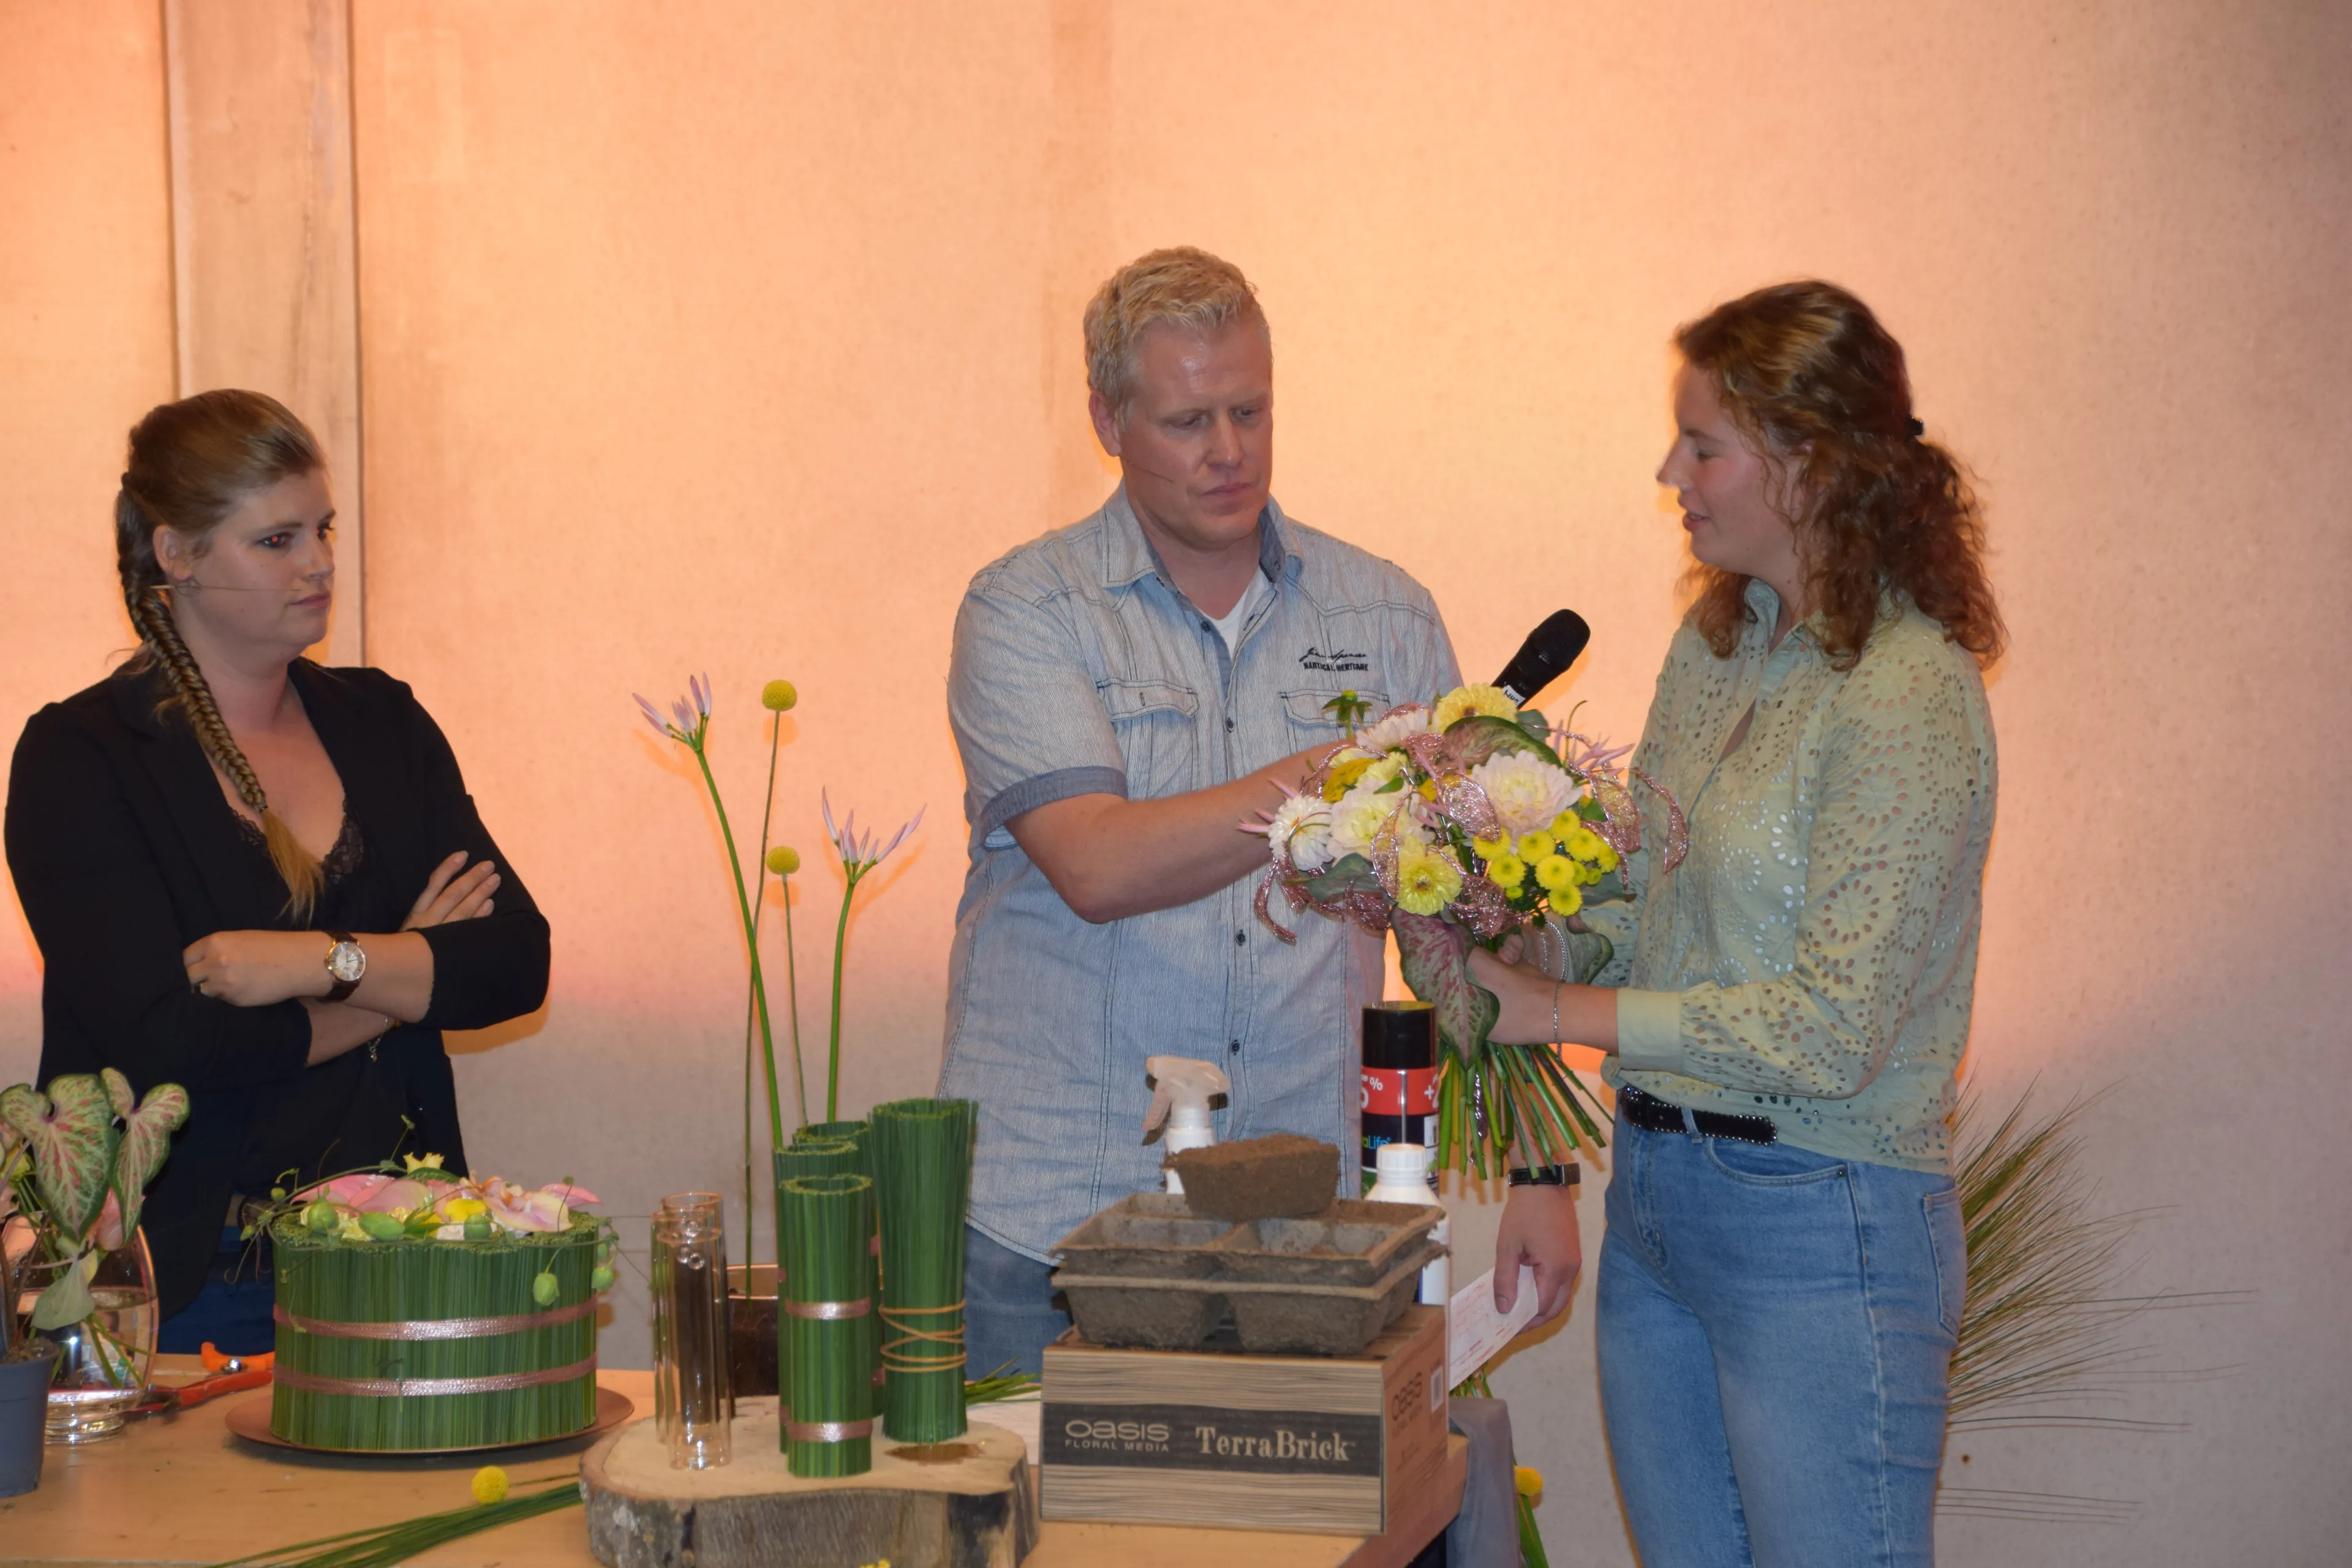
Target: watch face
346,961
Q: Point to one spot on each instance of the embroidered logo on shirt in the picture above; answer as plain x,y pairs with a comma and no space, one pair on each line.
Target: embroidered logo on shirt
1316,659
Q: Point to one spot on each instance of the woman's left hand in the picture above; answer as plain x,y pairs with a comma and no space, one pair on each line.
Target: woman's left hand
257,968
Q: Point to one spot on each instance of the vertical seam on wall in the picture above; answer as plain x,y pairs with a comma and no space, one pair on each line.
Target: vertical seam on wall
359,319
175,232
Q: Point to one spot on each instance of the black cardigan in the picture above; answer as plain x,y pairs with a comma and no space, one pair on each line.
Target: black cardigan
124,851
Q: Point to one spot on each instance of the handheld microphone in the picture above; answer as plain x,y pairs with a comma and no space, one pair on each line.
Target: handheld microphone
1545,657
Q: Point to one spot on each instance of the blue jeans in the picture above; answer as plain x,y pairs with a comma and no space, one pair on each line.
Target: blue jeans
1008,1308
1775,1330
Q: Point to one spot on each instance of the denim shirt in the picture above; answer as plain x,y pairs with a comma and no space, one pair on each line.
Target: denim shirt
1814,958
1080,669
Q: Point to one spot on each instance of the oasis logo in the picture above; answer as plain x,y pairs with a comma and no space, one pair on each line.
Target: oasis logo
1115,1431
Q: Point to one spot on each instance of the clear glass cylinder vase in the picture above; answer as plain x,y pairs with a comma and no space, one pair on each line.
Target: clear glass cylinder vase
104,1358
693,1400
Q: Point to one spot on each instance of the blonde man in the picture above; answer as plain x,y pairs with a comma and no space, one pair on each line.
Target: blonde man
1125,693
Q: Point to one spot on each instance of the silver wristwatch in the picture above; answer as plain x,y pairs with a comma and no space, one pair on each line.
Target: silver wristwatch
346,962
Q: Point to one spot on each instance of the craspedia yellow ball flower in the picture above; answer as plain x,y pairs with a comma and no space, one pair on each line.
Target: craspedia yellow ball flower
784,859
1527,1481
1464,701
1506,871
1534,847
1556,872
1426,883
778,696
489,1484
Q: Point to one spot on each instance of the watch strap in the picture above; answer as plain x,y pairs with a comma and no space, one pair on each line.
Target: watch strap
342,989
1567,1175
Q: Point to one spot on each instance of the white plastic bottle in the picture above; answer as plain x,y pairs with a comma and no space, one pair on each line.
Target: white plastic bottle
1180,1090
1403,1172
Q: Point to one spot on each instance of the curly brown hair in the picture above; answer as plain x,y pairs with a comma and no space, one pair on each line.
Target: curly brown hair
1819,386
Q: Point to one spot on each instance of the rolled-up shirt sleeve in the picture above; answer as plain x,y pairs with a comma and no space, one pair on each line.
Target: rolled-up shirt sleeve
1029,725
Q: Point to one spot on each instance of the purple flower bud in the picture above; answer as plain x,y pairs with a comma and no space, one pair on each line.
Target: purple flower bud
653,717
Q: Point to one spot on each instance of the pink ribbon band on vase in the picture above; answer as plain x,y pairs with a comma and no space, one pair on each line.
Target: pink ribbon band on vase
830,1311
435,1328
416,1388
828,1431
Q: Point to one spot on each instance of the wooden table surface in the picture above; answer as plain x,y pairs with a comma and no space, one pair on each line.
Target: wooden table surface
180,1489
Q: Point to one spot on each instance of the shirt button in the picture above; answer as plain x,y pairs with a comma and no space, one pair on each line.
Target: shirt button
1240,937
1207,628
1229,726
1234,1049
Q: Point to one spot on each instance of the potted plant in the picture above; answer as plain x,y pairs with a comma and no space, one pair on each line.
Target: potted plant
25,1367
75,1163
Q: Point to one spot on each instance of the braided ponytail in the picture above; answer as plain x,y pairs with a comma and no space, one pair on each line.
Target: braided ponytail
191,462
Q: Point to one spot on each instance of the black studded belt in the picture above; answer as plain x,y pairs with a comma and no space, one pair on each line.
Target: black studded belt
1657,1115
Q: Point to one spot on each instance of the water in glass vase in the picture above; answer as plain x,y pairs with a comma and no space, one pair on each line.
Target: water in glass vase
103,1369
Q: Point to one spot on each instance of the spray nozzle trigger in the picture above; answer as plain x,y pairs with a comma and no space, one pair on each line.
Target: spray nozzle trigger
1181,1088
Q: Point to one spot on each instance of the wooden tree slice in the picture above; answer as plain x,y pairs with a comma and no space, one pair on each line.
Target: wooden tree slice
967,1504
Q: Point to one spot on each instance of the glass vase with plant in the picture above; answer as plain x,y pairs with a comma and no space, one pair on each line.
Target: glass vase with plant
75,1163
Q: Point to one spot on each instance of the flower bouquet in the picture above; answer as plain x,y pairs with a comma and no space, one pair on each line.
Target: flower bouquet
1456,822
419,1312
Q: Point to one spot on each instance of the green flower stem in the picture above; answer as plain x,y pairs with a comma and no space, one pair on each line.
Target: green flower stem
751,942
840,948
793,997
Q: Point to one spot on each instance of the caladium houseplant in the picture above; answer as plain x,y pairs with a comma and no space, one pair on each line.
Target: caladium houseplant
75,1162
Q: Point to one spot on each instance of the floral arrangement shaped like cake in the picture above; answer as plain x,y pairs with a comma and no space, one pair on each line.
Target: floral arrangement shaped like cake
418,1311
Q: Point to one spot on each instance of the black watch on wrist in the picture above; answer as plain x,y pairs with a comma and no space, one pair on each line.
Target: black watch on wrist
1565,1175
346,962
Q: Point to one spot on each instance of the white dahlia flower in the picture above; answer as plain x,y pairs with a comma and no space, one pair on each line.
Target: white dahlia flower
1529,793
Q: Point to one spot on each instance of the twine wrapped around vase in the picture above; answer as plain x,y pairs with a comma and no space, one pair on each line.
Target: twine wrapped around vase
922,1168
823,1307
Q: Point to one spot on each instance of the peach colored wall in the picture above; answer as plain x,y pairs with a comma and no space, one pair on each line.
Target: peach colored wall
736,337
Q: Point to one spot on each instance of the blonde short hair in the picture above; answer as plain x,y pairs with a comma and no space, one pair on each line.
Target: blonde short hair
1180,287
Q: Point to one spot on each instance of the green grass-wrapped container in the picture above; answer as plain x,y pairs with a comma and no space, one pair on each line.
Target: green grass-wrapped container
381,1328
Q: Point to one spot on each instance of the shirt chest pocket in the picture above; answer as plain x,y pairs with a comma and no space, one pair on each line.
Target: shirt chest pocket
1158,735
1312,720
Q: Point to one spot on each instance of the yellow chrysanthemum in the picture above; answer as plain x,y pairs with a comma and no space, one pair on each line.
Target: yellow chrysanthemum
1343,777
1491,848
1566,823
1564,902
1556,872
1506,871
489,1484
1583,842
1527,1481
1464,701
1607,858
1534,847
1426,883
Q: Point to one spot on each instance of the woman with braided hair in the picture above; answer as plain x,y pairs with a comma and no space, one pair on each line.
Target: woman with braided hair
254,877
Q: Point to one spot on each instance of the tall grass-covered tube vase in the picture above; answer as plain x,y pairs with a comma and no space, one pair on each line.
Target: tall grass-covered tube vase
923,1172
692,1397
823,1305
807,1156
859,1134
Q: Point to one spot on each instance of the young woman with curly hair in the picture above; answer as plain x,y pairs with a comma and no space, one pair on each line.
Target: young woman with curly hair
1782,1275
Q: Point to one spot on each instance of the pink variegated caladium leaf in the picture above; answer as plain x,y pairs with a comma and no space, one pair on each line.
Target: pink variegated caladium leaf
70,1132
1434,955
147,1128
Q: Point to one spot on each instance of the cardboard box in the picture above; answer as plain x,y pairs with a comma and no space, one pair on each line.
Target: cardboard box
1334,1444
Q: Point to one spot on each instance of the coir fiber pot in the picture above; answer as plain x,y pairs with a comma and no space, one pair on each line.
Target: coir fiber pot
24,1411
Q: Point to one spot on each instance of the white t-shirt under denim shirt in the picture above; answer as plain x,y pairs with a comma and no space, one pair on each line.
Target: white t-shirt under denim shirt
1080,669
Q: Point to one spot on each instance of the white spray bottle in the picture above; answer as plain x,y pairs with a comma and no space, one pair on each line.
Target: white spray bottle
1181,1088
